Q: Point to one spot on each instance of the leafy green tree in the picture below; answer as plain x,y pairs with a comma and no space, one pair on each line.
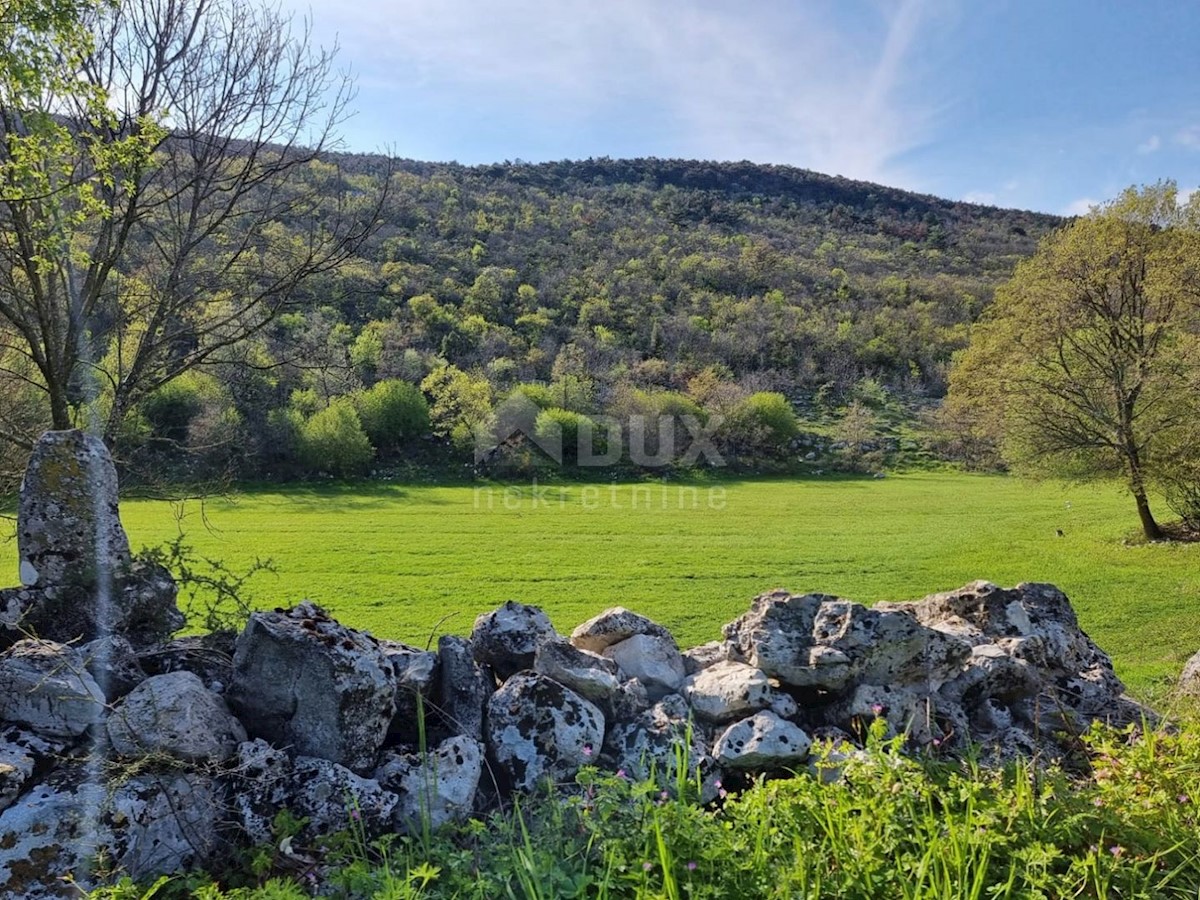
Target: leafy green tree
1088,358
461,404
392,413
333,440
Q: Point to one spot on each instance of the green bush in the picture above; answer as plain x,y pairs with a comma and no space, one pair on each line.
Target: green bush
333,440
563,425
761,425
171,408
392,413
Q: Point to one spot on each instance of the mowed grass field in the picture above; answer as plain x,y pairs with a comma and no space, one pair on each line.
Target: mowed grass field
408,561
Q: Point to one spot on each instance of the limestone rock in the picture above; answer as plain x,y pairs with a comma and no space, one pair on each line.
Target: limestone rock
613,626
763,741
330,796
697,659
728,690
465,688
536,729
592,677
416,673
507,638
22,753
114,664
302,680
818,641
652,659
47,688
649,742
175,714
439,788
147,825
69,530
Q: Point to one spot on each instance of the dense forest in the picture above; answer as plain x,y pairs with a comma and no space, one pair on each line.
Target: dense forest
596,287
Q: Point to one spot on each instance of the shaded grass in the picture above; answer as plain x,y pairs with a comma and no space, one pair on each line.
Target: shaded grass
397,559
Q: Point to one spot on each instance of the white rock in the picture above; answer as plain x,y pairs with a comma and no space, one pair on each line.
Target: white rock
175,714
728,690
763,741
46,687
652,659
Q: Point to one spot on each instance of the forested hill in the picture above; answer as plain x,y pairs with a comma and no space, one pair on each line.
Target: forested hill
654,270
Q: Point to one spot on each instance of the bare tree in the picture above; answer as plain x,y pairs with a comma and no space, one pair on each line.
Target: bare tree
179,202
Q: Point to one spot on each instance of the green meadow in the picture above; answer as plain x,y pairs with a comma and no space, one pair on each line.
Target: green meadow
407,561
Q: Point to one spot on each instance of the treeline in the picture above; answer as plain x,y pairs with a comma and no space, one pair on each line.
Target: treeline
620,287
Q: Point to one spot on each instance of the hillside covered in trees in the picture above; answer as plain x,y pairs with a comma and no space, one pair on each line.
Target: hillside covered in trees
603,286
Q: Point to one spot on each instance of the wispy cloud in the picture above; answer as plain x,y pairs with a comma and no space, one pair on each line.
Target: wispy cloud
1149,145
770,81
1189,137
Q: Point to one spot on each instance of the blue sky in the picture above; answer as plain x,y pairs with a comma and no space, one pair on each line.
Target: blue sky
1038,104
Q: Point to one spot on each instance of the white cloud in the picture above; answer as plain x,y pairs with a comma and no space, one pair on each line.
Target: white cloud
775,81
1149,145
1080,207
1189,137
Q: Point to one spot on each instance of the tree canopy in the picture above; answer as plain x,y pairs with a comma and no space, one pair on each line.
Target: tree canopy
1088,362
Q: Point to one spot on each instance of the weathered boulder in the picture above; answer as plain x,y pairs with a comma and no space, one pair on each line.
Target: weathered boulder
115,665
465,687
177,715
330,796
653,660
537,729
818,641
68,527
697,659
139,605
22,753
592,677
613,626
763,741
416,673
47,688
507,638
303,681
147,825
728,690
437,788
647,744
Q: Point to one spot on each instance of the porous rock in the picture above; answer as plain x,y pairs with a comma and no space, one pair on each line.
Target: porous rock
465,687
22,754
147,825
652,659
302,680
647,744
762,741
330,796
207,656
46,687
507,638
728,690
69,529
177,715
416,673
613,626
536,729
436,788
592,677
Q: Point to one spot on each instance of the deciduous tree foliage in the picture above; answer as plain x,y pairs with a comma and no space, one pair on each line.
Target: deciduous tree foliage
160,201
1088,362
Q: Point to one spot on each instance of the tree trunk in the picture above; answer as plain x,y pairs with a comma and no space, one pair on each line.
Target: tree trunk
1149,526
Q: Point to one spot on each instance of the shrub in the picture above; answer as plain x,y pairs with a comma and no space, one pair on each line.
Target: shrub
761,425
333,440
555,424
392,413
461,404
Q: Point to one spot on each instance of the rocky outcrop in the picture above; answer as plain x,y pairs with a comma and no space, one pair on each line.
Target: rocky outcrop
304,681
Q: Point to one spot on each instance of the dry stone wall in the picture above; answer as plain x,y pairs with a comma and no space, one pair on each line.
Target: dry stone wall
301,712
